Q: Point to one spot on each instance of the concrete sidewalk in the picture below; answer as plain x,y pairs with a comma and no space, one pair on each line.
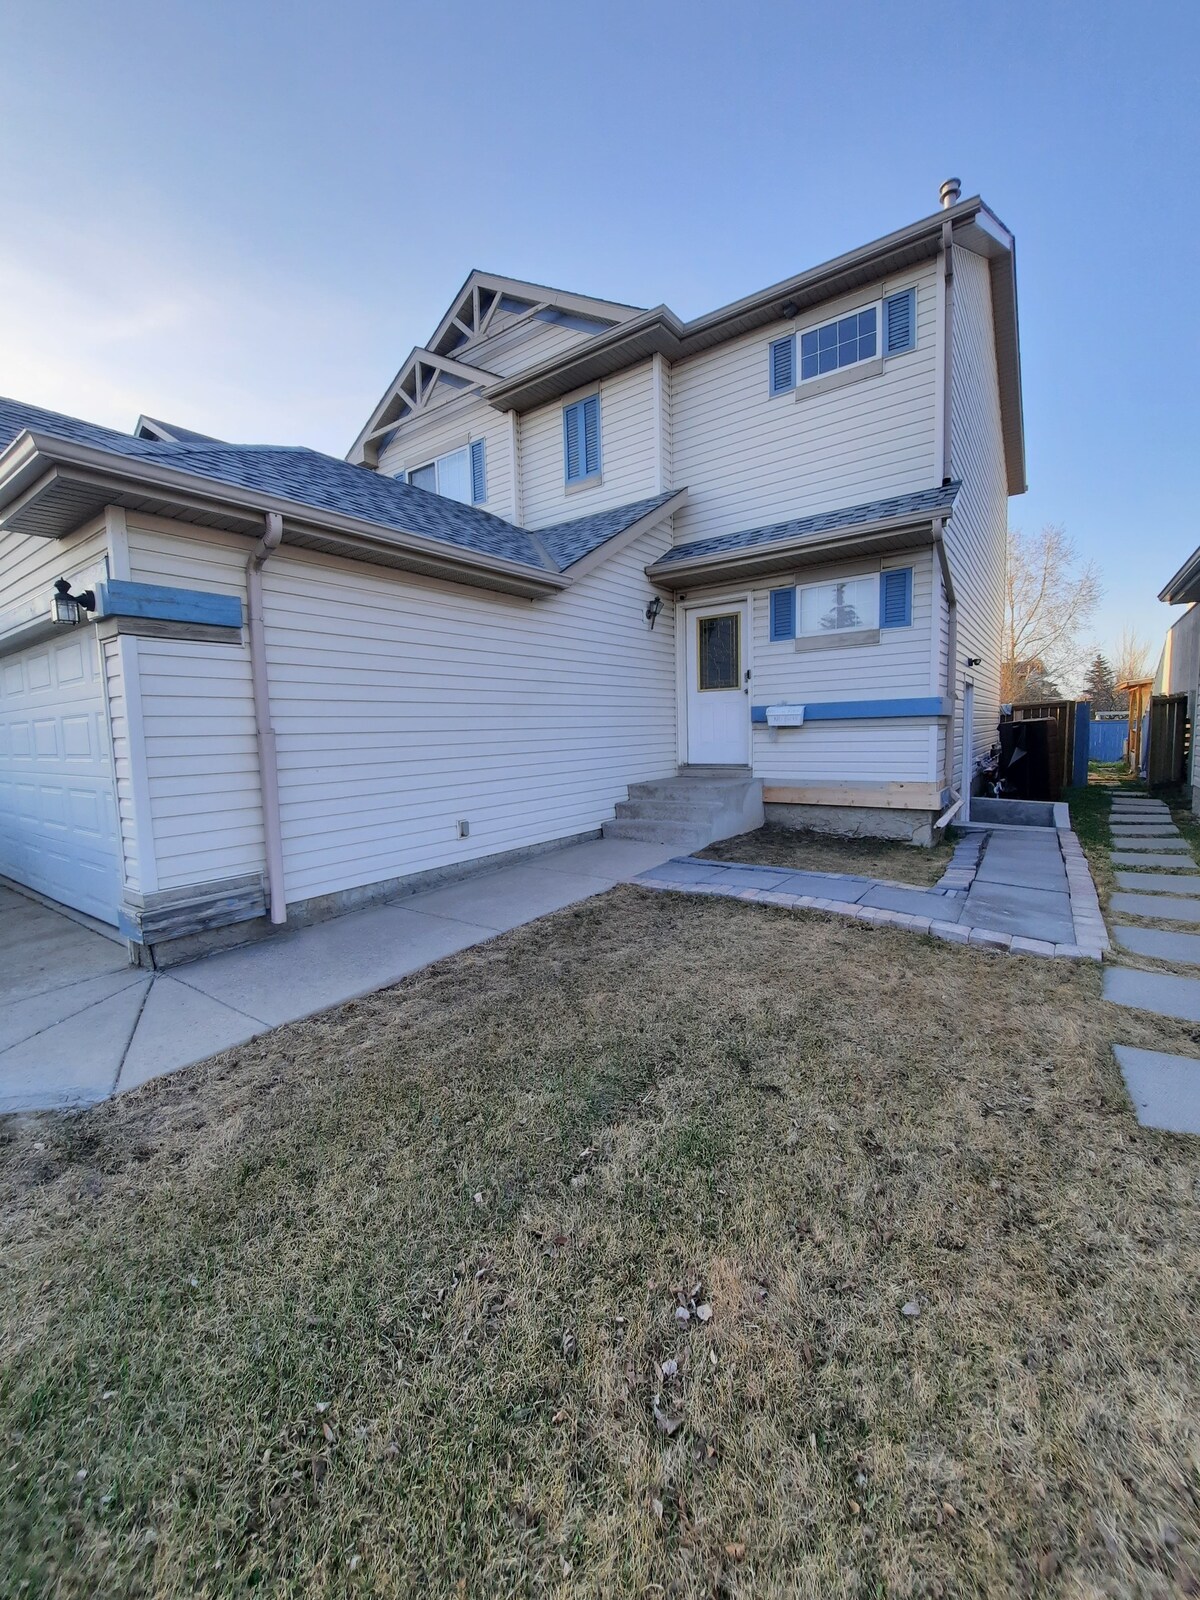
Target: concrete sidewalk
78,1023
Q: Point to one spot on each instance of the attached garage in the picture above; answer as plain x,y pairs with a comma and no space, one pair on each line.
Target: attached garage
58,814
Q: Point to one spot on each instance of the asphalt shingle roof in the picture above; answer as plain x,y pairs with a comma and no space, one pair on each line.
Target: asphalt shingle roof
325,483
919,505
569,542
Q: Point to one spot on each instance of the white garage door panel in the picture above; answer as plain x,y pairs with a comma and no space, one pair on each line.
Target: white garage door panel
58,814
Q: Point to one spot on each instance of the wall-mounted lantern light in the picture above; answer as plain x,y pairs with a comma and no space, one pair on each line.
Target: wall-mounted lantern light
67,609
654,610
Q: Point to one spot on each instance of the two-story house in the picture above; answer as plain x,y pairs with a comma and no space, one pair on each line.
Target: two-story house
577,546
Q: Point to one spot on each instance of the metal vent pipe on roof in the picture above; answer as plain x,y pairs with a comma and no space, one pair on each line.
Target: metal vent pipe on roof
950,193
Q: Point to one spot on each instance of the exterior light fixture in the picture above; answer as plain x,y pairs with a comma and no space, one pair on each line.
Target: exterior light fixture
974,661
654,610
67,609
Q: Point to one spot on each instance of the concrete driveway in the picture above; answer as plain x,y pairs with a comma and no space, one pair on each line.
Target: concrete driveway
78,1023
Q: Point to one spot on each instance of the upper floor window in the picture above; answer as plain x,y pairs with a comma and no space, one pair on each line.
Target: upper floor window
581,439
458,475
845,341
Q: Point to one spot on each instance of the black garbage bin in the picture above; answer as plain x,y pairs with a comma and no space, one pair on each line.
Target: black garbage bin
1029,764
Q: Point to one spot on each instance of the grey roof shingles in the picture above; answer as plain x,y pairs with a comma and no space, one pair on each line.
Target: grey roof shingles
323,482
569,542
327,483
922,504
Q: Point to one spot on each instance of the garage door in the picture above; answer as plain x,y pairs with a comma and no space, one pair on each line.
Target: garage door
58,815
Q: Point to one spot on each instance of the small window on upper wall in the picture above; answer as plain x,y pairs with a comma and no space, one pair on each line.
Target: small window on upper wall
887,328
458,475
581,439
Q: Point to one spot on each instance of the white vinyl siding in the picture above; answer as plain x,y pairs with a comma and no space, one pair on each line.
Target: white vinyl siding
888,750
402,705
976,534
29,567
518,348
627,452
198,718
115,672
748,458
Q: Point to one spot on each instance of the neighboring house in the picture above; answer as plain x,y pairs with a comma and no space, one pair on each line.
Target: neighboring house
577,546
1178,670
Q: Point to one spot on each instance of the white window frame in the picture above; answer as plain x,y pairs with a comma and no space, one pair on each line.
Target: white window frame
826,583
853,311
436,463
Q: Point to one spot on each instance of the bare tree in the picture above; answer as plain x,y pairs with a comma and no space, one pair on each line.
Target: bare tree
1133,655
1049,598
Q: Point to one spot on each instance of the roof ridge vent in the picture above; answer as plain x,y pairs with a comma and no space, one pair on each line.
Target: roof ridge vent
950,193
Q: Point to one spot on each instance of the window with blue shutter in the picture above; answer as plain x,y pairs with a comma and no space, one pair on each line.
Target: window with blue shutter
895,598
783,613
581,439
900,322
782,365
478,473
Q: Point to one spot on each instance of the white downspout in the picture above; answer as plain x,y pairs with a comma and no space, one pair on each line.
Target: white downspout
268,764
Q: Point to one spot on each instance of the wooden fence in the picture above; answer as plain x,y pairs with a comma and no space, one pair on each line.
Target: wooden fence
1170,740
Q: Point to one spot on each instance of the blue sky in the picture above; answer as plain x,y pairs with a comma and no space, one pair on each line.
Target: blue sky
242,216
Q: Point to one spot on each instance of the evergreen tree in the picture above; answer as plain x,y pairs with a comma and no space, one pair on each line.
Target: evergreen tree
1100,686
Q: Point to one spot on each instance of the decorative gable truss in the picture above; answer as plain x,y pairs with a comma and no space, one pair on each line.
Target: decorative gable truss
426,380
485,306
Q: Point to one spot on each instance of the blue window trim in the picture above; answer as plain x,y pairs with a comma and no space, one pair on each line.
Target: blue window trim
865,710
781,365
896,582
478,472
783,613
906,330
120,598
575,422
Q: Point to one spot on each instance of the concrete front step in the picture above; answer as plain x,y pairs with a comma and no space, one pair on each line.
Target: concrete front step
685,836
663,808
691,809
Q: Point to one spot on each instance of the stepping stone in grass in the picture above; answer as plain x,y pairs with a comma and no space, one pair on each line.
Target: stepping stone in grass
1165,994
1165,1089
1136,841
1145,861
1163,908
1160,882
1160,943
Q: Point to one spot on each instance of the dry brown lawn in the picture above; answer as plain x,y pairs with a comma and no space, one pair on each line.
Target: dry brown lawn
808,851
387,1302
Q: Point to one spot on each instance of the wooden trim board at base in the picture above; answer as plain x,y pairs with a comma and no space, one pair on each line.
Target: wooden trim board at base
886,796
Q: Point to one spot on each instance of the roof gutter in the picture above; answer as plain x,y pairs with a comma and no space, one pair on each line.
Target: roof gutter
1185,585
35,461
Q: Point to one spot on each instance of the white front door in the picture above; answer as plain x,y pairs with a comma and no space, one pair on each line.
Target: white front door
718,686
